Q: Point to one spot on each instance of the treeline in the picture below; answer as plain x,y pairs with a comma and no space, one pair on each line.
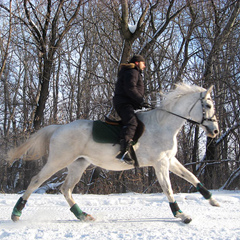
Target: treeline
59,62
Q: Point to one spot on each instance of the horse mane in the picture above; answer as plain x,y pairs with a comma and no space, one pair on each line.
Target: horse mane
181,89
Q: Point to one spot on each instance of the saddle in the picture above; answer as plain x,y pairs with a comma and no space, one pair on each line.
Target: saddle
109,132
139,131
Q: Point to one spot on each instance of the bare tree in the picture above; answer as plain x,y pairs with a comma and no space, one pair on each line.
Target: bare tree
220,38
4,49
62,65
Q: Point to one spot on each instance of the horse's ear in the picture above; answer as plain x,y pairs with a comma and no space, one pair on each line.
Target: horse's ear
209,90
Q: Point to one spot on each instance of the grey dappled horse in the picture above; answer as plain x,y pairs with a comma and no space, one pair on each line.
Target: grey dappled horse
72,146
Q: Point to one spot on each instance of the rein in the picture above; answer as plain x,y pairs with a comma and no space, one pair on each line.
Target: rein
190,120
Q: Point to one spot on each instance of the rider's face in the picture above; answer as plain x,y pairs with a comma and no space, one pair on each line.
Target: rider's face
141,65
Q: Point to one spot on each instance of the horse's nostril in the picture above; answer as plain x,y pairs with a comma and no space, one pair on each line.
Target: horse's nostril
216,131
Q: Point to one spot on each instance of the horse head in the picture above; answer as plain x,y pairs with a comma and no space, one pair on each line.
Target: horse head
194,104
209,121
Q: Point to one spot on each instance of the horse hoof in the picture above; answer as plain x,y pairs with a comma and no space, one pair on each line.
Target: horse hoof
187,220
86,217
15,218
214,202
89,218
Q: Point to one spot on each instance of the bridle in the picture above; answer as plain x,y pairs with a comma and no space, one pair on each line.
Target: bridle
204,118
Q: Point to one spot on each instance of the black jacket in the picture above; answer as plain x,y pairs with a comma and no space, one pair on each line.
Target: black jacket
129,87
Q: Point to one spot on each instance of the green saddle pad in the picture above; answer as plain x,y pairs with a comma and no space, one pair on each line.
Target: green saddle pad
106,133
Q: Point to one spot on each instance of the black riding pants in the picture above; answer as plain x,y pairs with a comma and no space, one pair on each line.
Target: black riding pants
129,120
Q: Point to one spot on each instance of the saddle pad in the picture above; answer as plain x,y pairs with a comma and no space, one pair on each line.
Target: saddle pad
106,133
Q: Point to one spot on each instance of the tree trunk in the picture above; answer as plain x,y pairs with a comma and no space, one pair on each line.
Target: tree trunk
39,114
195,150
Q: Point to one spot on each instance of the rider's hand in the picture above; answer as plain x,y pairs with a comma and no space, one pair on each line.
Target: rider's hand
145,105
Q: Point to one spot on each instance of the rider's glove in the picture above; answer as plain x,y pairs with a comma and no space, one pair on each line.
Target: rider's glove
145,105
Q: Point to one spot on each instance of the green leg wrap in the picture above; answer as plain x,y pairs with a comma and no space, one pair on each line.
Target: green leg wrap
175,208
206,194
17,210
75,209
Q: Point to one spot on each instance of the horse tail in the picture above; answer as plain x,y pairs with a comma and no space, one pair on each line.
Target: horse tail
35,147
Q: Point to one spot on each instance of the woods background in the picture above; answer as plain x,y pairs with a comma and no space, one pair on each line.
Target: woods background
59,62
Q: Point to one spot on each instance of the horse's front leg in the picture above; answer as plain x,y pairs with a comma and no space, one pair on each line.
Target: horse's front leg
162,172
177,168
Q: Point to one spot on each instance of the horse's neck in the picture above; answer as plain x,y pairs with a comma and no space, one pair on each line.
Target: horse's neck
184,104
165,120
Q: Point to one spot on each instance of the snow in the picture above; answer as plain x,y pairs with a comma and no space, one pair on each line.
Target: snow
132,28
122,216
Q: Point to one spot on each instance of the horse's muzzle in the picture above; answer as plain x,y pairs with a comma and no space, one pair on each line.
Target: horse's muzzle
211,132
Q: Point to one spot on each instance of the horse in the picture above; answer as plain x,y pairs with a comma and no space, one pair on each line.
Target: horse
72,146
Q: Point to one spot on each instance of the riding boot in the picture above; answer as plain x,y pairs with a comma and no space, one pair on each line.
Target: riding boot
124,154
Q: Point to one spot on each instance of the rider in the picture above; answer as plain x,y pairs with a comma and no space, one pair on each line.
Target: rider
128,97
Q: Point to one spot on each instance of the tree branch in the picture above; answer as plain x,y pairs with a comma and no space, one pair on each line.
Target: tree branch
35,31
220,40
8,41
148,45
68,25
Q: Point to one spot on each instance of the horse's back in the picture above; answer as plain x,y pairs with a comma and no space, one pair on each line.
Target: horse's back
72,135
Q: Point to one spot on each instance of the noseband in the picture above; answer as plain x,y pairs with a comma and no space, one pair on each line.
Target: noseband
204,118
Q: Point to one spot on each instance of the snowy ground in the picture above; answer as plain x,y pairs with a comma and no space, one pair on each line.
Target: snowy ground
122,216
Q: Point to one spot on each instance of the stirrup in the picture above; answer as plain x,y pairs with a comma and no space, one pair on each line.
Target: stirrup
125,158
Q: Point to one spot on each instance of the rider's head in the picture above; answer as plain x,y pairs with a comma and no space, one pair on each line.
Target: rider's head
139,61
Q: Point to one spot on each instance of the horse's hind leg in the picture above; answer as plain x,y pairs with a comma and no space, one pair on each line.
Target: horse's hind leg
75,171
177,168
47,171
